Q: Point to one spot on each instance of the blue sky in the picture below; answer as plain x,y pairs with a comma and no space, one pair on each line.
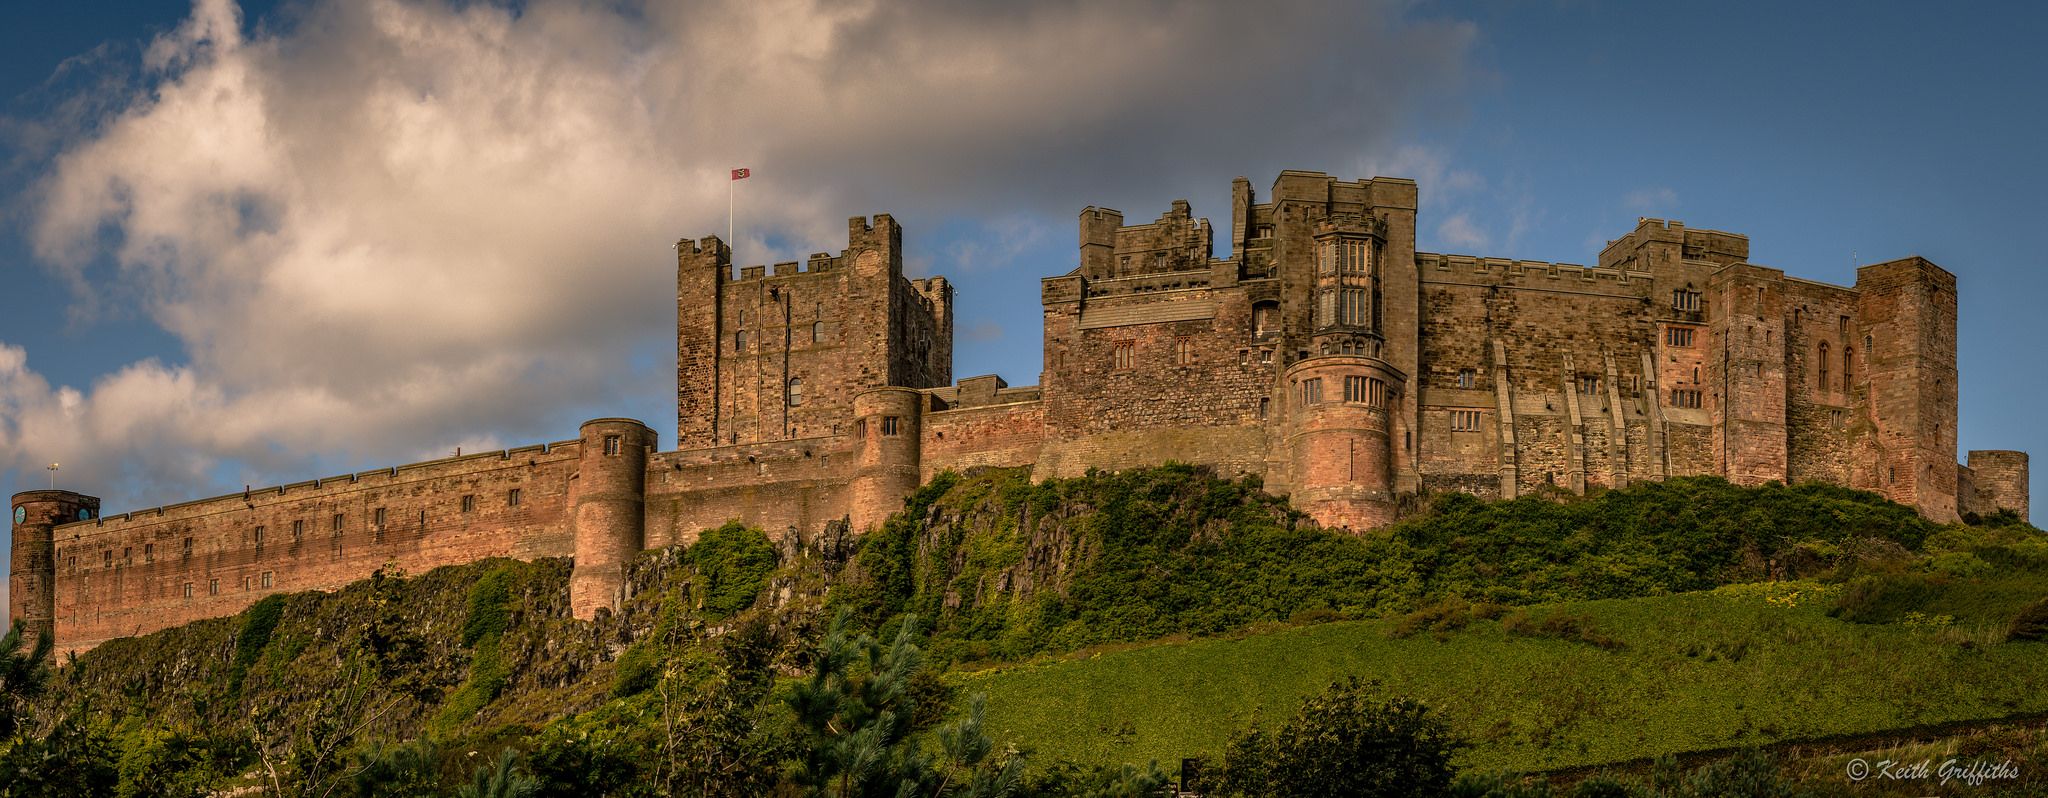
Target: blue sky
260,244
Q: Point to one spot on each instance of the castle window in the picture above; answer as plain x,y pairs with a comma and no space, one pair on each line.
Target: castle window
1695,375
1467,377
1123,355
796,391
298,531
1838,418
1183,351
1866,343
1353,258
338,519
860,429
1464,421
1244,357
380,518
1845,325
1159,261
611,445
1265,356
149,552
1326,257
817,331
213,587
1312,391
1123,265
107,558
743,318
1685,397
188,590
739,341
1848,367
1351,306
1823,361
1589,384
1685,299
1265,405
1354,389
512,498
1678,336
469,503
188,548
1262,231
1265,319
889,425
268,580
423,521
257,536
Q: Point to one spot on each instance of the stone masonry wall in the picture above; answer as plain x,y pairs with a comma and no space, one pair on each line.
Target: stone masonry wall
128,574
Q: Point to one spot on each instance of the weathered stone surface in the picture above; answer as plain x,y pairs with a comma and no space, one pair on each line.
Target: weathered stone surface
1322,354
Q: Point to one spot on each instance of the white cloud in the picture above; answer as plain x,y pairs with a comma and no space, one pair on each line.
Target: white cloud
1458,230
375,226
1656,199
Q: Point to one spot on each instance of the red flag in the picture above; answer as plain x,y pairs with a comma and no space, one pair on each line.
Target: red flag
742,174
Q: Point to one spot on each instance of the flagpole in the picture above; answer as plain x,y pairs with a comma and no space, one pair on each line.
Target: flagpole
728,212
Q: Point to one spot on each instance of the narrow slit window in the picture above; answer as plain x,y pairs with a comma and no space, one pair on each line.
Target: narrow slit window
1123,356
469,503
1467,378
512,498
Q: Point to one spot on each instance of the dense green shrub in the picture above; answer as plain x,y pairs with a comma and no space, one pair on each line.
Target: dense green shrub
2032,623
735,562
1347,741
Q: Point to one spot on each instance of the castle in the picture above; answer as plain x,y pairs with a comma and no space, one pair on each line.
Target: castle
1324,355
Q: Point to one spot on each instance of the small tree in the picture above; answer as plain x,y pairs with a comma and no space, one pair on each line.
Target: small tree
23,676
1348,741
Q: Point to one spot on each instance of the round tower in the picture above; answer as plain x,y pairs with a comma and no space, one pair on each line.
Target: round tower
887,422
609,509
32,583
1340,455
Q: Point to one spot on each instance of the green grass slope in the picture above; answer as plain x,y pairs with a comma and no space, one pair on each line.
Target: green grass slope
1737,666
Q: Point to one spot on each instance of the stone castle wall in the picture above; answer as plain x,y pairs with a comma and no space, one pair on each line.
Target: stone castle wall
1321,354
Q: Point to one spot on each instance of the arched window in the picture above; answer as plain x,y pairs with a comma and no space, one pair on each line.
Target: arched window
817,331
796,391
1823,359
1265,319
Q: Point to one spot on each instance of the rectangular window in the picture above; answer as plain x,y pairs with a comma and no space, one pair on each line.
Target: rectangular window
149,552
1685,299
213,587
1685,397
1183,351
1589,385
1265,405
1354,389
107,558
267,580
1678,336
1845,326
1464,421
1159,261
889,425
188,548
512,498
380,518
611,444
1326,257
1312,391
298,531
860,429
188,590
1467,378
258,537
469,504
338,519
1838,418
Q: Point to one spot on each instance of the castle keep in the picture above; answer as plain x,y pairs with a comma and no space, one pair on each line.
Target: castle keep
1322,354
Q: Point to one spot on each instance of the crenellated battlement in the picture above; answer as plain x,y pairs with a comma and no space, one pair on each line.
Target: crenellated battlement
1468,269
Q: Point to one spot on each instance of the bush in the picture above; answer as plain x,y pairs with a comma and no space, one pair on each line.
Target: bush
1346,741
735,562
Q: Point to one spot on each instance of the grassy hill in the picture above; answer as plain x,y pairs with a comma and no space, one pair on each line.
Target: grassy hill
1122,618
1622,679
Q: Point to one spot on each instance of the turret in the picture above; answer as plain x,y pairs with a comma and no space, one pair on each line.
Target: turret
1340,456
886,422
610,511
32,582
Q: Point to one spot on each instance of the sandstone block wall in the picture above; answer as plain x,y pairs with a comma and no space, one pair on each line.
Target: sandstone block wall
814,392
